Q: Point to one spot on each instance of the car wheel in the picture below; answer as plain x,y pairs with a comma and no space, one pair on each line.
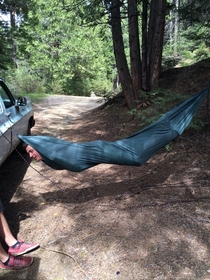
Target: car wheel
29,130
22,146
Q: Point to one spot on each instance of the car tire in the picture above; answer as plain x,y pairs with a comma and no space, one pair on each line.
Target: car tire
22,146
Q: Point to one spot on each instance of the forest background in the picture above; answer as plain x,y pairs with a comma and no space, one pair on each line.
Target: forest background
101,47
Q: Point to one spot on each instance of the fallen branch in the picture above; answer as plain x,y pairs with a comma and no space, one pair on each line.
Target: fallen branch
65,254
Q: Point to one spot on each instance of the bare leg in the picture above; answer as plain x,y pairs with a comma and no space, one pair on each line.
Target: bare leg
12,260
5,232
6,235
3,255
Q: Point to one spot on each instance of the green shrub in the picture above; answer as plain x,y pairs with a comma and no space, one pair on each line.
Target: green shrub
23,81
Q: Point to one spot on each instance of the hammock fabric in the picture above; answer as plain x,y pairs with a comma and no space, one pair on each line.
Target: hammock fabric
134,150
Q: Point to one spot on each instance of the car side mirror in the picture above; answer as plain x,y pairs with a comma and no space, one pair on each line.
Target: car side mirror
21,101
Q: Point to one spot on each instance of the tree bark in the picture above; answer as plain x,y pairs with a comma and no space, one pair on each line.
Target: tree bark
155,40
135,61
121,62
14,44
145,75
176,28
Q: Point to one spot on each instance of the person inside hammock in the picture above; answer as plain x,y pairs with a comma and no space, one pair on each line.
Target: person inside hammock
78,156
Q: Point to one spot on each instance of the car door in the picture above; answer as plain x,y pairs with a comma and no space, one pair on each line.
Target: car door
5,130
17,115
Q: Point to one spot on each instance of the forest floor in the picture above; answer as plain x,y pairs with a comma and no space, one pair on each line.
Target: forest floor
113,222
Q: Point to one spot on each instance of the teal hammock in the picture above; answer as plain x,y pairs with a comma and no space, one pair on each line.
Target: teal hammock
134,150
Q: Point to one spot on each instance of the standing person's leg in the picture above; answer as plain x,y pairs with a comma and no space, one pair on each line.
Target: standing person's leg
3,255
6,235
8,260
5,232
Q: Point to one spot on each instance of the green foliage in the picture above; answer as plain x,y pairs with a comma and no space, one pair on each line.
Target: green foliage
195,12
5,47
189,51
159,102
187,38
107,107
36,97
68,44
169,60
133,112
24,81
202,52
73,58
197,123
169,147
54,88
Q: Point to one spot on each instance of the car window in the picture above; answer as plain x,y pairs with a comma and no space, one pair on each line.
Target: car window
8,101
1,109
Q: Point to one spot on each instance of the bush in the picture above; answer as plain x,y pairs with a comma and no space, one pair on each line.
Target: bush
23,81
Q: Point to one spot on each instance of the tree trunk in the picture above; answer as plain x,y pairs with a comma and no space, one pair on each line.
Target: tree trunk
145,75
14,45
155,39
121,62
176,28
135,60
